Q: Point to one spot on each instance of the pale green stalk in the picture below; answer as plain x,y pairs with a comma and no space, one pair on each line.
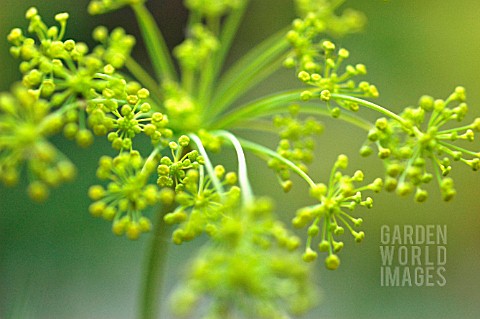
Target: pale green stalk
247,193
260,125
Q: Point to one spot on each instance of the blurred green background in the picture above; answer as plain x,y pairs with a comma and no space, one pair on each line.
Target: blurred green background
58,262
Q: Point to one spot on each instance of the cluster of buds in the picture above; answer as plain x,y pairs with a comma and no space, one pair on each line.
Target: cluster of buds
64,72
410,145
122,112
308,33
320,16
326,79
127,194
200,205
297,143
173,170
104,6
328,218
213,8
250,253
193,53
115,47
25,125
182,109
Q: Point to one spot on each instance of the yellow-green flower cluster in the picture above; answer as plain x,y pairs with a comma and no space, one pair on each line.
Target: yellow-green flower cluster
181,108
64,72
321,16
200,198
104,6
25,125
122,112
128,193
307,36
194,52
297,143
200,205
327,79
173,170
329,218
422,142
213,8
251,266
115,47
61,70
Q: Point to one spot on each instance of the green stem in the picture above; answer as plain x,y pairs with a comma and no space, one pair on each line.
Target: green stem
247,83
154,269
193,18
344,116
260,125
205,84
458,148
258,106
438,174
227,35
243,73
150,158
155,43
188,80
213,24
456,129
372,106
310,109
259,149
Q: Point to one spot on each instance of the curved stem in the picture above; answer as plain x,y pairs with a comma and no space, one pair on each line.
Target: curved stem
372,106
310,109
347,117
150,158
154,269
247,193
259,149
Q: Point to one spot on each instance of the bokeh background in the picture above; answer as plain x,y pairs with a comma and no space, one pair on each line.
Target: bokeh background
58,262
